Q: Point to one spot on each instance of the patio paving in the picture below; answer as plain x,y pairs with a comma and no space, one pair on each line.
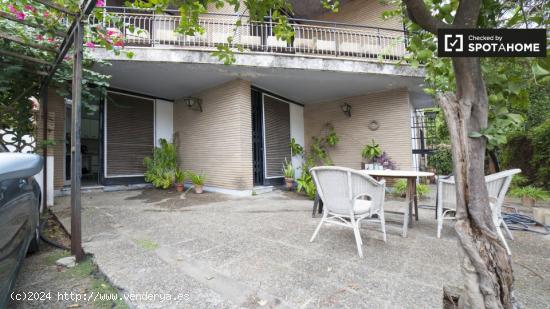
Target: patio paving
217,251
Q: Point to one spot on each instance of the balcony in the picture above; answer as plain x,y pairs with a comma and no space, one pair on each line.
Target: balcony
312,38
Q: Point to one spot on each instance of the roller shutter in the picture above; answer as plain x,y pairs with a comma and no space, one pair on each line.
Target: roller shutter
277,135
129,134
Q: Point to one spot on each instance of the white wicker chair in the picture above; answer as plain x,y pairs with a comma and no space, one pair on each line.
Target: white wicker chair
497,186
349,197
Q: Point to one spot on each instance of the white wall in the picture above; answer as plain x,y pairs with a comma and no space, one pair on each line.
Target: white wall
297,132
39,179
164,120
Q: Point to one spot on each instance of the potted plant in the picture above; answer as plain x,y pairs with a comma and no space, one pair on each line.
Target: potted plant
370,152
288,172
198,182
180,179
529,195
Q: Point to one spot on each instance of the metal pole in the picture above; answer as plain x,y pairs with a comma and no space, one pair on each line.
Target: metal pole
44,104
76,159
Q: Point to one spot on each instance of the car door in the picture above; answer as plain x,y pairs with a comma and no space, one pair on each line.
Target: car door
17,203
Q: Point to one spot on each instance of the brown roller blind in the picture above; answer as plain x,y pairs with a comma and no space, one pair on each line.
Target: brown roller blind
277,135
130,134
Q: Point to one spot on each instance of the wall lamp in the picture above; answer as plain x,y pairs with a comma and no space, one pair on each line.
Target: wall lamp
346,108
193,103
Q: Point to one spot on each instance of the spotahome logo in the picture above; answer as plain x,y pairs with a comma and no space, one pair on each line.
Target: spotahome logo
491,43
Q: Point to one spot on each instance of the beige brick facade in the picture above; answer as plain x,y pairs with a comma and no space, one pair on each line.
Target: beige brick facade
56,111
218,140
390,109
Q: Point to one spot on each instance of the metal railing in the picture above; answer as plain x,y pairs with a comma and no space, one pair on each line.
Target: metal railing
314,38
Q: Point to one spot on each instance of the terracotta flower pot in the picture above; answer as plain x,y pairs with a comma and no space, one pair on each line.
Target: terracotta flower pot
179,187
527,201
289,182
198,189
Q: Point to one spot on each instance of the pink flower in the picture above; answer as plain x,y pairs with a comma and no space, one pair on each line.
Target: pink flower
30,8
12,9
40,37
50,40
46,14
90,44
20,15
119,43
112,31
35,104
100,3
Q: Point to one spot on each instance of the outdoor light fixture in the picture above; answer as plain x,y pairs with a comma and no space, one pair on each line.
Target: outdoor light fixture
193,103
346,108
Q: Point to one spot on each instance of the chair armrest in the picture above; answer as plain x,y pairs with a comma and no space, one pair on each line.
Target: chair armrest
447,181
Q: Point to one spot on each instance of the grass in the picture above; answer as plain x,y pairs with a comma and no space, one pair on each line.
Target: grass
55,255
108,296
82,270
102,287
147,244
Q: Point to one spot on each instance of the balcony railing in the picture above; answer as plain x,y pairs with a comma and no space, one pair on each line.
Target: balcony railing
311,38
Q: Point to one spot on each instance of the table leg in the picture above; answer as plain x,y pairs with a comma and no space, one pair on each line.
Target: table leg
415,199
315,205
410,198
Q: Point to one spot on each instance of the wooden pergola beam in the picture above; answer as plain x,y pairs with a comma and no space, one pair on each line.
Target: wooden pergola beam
56,6
30,44
31,24
24,57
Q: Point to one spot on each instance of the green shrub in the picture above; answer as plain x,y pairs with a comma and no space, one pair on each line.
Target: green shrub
288,170
441,159
400,188
540,137
197,179
518,153
179,176
161,169
306,184
531,192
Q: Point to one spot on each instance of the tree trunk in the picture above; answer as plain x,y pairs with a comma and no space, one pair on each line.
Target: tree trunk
486,266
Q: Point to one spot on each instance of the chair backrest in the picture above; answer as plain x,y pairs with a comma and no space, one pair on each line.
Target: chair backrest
497,186
338,187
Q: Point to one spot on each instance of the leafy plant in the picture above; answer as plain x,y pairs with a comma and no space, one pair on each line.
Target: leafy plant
532,192
385,161
197,179
441,159
161,168
288,170
307,185
400,188
180,176
518,180
540,137
295,148
370,152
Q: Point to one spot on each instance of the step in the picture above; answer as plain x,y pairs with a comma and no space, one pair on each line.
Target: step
261,190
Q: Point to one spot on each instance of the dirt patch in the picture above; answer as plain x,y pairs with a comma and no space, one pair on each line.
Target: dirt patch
171,200
47,285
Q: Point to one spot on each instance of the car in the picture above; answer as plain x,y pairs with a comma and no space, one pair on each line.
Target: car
20,199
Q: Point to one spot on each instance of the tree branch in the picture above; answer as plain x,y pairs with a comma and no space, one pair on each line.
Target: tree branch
419,14
467,14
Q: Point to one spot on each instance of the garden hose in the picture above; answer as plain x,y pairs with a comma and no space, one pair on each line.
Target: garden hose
519,222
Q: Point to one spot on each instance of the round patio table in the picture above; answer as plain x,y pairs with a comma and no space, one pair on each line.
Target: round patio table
411,196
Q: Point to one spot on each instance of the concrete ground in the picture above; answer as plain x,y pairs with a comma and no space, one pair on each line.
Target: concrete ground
162,249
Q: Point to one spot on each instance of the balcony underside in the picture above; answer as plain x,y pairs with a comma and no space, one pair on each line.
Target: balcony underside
175,73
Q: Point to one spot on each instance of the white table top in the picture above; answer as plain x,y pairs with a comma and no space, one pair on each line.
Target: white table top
396,173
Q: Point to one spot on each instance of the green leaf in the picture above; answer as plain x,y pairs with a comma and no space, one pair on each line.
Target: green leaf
475,134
